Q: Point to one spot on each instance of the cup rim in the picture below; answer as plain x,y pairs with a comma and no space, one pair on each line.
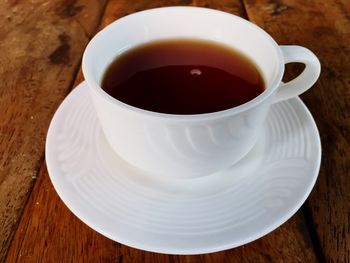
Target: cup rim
95,86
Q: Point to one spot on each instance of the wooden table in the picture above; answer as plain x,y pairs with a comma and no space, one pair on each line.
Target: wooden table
41,45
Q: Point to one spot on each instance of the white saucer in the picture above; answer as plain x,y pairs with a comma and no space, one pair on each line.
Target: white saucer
184,216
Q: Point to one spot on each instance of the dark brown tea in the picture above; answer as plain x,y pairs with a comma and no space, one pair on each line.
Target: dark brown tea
183,76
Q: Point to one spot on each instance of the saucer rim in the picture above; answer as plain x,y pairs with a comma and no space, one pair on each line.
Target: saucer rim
165,250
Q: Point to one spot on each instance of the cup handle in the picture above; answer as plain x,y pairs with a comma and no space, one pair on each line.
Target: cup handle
306,79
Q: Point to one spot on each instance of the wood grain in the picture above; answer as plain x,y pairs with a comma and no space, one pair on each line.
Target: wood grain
323,27
121,8
49,231
41,43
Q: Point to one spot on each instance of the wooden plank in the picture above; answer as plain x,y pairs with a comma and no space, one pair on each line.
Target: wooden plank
121,8
56,233
40,50
324,27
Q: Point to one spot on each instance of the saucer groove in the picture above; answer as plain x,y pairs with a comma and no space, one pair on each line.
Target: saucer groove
182,216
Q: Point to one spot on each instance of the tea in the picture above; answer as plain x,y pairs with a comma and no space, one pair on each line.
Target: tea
183,76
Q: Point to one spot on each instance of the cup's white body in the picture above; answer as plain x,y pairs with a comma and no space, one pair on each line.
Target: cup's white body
182,148
182,145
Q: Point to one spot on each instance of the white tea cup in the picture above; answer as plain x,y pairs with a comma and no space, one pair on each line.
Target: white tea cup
185,146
